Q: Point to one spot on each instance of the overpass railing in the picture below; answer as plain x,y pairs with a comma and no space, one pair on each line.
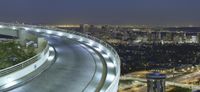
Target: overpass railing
25,63
115,57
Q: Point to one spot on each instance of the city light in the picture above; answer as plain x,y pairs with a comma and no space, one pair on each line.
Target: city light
126,46
105,56
51,49
80,39
60,34
37,30
110,65
70,36
1,26
49,31
26,28
14,28
98,49
10,84
91,43
110,77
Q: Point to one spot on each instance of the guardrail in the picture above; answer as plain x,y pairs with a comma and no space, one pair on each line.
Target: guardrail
25,63
117,63
110,86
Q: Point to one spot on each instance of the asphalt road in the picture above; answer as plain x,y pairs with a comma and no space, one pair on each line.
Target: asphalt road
71,72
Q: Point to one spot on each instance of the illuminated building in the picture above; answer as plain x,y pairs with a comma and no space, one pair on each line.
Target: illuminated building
156,82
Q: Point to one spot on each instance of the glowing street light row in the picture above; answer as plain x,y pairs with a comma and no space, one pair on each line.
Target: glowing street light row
91,43
1,26
98,47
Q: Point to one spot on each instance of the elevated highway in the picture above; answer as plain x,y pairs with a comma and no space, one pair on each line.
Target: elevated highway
142,80
83,63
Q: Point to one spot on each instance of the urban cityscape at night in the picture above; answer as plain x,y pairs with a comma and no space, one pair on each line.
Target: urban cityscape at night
99,46
169,50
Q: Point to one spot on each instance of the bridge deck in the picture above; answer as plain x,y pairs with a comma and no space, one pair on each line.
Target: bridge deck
71,72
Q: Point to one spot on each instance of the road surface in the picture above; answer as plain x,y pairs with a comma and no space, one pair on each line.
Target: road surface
73,69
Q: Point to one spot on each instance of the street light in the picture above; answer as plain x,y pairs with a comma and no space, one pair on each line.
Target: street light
14,28
1,26
26,28
38,30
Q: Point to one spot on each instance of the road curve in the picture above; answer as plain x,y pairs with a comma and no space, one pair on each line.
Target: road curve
84,63
71,72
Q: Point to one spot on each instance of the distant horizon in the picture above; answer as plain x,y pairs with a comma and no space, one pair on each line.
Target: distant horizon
146,25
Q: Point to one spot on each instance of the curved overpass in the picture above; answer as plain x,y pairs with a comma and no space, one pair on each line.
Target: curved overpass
83,63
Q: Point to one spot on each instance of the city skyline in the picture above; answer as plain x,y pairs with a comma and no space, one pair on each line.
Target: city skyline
99,46
157,12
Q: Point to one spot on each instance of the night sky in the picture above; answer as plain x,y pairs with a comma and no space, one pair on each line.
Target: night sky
154,12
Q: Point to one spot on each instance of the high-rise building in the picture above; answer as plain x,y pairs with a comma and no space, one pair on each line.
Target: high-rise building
156,82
